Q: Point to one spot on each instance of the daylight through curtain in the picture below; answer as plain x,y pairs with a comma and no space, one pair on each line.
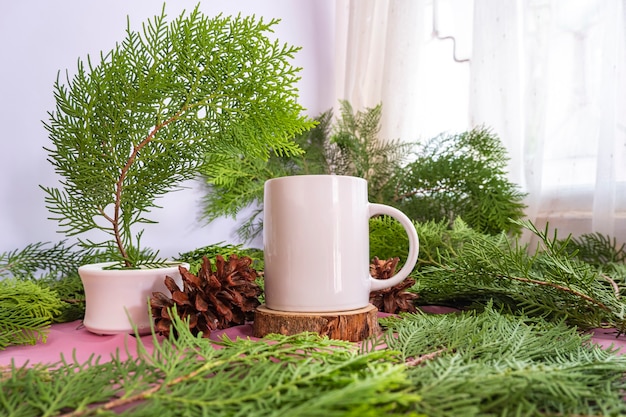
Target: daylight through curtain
548,76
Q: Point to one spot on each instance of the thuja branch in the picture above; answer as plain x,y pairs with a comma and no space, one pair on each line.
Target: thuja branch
465,268
420,360
145,394
556,286
614,285
560,288
319,357
119,186
429,366
201,87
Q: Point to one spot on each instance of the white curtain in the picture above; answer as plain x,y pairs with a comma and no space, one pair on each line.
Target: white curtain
548,76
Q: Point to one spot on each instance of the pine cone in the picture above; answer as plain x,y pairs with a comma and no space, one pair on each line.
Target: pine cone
211,300
395,299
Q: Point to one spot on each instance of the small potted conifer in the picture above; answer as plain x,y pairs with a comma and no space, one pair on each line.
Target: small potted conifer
142,120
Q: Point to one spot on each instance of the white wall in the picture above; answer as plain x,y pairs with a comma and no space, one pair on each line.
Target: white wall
41,37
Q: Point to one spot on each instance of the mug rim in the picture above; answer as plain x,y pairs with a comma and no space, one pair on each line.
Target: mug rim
315,176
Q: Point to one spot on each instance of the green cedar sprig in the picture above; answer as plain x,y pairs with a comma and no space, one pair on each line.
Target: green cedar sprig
283,375
459,175
469,269
26,312
449,176
53,260
358,151
140,121
235,183
490,363
598,249
54,268
462,267
349,145
472,364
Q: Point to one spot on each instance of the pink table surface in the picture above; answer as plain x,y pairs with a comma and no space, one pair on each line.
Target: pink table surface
76,344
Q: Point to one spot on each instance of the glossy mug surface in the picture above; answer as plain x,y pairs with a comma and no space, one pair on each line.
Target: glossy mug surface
316,243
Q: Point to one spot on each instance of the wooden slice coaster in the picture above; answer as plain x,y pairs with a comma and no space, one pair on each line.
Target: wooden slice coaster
352,325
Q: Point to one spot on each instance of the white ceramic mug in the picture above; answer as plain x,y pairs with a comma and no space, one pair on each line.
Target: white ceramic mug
316,243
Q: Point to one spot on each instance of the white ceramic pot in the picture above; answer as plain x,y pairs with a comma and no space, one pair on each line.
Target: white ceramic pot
117,299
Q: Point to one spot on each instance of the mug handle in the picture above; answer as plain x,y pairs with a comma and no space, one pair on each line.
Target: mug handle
379,284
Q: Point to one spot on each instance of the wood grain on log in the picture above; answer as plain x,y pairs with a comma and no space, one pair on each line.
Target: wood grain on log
352,325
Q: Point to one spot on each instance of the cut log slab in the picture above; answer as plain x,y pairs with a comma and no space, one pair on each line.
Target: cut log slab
352,325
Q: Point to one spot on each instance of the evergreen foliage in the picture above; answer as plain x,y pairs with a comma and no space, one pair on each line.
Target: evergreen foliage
26,312
359,152
297,375
447,177
235,183
457,266
461,267
53,268
493,364
598,249
141,121
461,175
41,259
350,146
472,364
70,292
388,239
469,269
